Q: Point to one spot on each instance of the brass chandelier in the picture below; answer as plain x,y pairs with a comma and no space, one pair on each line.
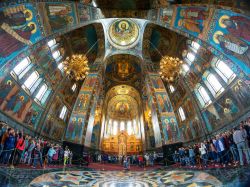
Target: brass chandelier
170,68
76,66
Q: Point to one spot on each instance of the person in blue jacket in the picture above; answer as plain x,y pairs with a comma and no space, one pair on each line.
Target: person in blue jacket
9,146
220,147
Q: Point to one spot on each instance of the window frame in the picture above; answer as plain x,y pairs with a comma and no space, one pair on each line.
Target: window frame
58,54
194,46
34,80
171,88
40,98
182,114
63,113
60,66
212,85
21,73
54,43
188,57
206,101
185,69
73,88
227,79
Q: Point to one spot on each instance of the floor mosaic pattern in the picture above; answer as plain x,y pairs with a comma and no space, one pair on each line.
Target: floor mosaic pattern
126,179
165,176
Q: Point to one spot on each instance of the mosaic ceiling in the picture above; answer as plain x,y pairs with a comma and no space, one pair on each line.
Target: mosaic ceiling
122,107
123,33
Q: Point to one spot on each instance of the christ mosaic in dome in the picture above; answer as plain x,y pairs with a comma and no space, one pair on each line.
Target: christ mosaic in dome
123,33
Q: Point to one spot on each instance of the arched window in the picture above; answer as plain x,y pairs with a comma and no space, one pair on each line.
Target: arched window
41,92
215,86
171,88
21,67
60,66
122,126
182,114
185,67
56,54
51,43
195,46
224,71
30,81
204,95
73,88
63,112
190,57
115,128
129,128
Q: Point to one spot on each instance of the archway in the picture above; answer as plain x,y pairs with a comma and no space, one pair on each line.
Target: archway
122,131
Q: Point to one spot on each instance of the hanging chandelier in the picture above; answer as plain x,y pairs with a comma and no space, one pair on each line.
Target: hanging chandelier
76,66
170,68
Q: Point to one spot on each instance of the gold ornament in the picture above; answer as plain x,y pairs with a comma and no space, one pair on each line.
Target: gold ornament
170,68
76,66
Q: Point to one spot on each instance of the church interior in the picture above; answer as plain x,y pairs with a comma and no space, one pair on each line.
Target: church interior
125,93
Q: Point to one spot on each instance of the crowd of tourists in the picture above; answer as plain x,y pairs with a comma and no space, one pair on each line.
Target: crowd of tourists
16,148
144,160
227,148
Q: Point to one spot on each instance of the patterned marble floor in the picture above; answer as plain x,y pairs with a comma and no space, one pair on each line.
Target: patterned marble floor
161,177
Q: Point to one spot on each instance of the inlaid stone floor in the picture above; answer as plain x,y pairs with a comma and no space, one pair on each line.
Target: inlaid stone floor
161,177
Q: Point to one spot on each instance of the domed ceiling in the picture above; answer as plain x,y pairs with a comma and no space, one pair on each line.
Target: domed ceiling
123,69
122,107
86,40
123,90
123,33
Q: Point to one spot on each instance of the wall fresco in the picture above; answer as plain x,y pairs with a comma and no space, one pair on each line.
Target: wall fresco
165,110
19,29
94,116
153,122
57,15
191,19
170,129
84,12
228,107
78,118
166,15
16,103
229,33
54,127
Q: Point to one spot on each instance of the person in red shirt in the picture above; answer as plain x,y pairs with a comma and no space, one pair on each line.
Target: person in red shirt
19,148
140,159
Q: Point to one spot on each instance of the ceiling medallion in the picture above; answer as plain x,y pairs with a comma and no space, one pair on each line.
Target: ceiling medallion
123,33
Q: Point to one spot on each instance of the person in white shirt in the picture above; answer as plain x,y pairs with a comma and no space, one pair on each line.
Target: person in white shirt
203,152
66,155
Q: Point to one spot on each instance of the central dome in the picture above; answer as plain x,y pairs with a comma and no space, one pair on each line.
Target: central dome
123,33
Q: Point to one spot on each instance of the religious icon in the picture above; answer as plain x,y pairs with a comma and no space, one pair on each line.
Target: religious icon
15,30
69,133
59,15
194,13
166,15
5,88
237,26
123,32
232,45
191,25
